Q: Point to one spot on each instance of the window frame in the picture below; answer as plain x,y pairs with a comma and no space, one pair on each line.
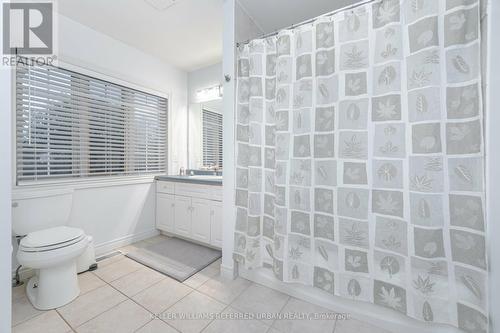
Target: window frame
95,181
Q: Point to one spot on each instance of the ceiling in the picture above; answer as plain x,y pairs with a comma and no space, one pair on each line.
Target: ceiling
187,34
272,15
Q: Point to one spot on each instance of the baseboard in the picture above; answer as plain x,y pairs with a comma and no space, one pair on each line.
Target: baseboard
114,244
227,272
366,312
100,249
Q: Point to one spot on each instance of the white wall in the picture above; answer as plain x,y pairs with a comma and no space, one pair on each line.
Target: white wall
228,64
237,26
246,27
120,212
203,78
5,202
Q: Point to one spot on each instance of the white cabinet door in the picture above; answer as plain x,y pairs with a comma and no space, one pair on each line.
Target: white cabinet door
165,217
200,220
183,216
216,224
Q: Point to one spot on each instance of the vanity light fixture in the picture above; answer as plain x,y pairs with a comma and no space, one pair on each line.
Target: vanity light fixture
209,94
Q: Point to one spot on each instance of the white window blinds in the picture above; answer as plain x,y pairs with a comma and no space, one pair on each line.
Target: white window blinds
212,138
70,125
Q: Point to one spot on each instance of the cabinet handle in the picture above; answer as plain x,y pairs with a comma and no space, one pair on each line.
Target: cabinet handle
172,205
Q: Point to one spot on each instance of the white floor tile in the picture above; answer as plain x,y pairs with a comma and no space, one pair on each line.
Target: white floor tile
293,325
126,317
48,322
224,290
117,269
273,330
19,292
216,264
233,324
110,260
91,304
201,277
22,309
193,307
156,326
355,326
162,295
137,281
260,300
88,282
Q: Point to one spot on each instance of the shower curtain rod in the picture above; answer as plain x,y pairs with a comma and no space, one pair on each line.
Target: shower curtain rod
274,33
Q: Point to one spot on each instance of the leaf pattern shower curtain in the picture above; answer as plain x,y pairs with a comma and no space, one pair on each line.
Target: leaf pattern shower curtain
360,158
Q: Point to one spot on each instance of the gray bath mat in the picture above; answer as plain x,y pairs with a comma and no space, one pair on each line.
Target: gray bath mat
175,257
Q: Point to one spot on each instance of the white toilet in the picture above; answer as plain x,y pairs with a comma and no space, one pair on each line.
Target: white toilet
50,247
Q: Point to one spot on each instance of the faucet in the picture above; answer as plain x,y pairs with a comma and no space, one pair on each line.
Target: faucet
213,167
216,169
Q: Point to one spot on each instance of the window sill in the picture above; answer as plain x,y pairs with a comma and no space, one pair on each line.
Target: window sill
26,189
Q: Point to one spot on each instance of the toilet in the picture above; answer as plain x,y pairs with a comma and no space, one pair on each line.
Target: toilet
54,250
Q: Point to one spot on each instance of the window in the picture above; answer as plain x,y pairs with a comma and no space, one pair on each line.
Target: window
70,125
212,138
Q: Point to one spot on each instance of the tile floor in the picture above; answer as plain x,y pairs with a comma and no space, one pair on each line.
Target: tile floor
122,296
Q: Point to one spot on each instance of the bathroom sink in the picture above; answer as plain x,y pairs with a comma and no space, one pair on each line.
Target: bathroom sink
199,179
206,177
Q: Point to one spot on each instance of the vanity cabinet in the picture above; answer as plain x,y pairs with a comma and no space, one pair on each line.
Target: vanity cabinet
191,211
182,216
216,225
201,220
165,211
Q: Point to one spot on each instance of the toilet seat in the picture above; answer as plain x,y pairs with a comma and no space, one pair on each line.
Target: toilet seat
44,256
51,247
51,239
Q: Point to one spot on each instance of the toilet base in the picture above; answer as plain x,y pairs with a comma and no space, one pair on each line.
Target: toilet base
53,287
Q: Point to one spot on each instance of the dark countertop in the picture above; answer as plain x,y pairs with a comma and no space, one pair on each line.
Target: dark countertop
204,180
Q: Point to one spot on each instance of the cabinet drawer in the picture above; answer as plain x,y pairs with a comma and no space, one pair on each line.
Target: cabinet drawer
165,187
209,192
217,193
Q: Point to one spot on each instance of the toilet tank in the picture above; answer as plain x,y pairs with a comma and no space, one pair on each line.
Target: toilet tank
33,211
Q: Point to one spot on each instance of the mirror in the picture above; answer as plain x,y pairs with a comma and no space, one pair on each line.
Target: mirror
205,135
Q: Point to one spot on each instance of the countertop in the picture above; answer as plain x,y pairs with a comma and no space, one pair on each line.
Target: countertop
204,180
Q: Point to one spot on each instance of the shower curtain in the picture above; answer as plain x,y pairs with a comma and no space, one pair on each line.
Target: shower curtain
360,157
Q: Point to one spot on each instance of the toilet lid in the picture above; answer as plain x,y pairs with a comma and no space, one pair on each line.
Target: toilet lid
52,236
